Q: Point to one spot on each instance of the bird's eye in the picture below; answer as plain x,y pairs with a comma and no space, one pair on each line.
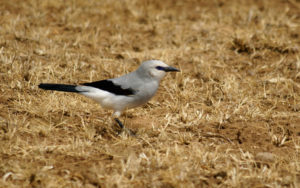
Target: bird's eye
160,68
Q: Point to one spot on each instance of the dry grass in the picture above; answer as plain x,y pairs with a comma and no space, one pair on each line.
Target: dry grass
236,97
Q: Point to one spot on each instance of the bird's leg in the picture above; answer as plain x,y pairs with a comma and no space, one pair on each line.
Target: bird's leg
128,131
116,115
119,123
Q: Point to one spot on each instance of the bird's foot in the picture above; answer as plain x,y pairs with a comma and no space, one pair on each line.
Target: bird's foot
123,128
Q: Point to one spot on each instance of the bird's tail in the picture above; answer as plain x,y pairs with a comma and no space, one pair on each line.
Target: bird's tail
59,87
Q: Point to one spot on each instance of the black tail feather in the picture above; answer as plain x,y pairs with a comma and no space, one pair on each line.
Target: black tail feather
59,87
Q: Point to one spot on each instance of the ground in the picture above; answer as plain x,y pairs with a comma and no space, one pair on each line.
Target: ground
230,118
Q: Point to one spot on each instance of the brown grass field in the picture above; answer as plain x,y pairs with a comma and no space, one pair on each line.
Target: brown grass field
230,118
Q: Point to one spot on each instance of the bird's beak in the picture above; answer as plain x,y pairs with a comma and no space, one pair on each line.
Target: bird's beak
171,69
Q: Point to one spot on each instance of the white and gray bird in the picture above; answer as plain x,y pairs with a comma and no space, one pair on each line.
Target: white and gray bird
125,92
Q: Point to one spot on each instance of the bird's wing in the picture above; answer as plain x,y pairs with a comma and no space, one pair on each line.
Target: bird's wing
112,87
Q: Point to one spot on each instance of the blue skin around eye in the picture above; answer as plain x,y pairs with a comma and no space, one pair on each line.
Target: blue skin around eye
160,68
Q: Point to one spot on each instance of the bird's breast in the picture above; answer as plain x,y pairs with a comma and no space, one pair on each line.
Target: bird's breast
147,91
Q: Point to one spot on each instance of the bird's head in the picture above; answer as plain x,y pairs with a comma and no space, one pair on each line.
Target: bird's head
155,69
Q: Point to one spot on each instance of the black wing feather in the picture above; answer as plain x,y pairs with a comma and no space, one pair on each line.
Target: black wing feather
108,85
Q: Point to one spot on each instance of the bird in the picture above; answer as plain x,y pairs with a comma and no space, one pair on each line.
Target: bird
125,92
